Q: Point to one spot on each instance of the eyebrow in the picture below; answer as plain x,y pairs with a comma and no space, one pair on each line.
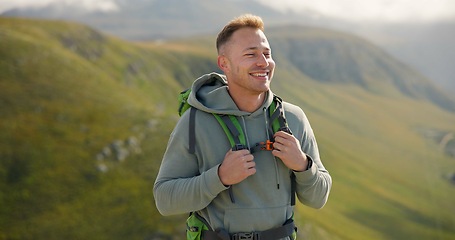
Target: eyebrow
256,48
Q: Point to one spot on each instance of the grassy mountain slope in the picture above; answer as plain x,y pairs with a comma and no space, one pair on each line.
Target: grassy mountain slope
68,92
331,56
387,178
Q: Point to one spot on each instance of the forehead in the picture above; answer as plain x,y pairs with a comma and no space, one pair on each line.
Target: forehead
249,38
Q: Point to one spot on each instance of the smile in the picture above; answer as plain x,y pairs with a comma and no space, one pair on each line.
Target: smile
259,74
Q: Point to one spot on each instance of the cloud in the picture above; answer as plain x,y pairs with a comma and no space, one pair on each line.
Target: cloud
88,5
373,10
351,10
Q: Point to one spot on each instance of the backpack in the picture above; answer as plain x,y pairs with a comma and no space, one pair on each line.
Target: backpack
196,225
234,132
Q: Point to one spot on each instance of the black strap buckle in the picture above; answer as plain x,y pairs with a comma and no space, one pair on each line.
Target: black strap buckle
285,129
246,236
238,147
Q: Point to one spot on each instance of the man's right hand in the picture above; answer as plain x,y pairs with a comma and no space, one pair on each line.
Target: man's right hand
236,167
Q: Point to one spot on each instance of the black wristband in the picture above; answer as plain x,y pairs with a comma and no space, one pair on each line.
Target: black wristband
310,162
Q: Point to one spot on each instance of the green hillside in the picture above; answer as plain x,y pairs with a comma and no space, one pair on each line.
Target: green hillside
334,57
86,118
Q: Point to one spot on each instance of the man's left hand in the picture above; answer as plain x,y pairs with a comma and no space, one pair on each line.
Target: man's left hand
287,148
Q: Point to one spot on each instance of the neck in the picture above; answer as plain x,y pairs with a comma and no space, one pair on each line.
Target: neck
248,103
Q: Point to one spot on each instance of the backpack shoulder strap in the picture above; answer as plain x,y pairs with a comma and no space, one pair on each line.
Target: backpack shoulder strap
277,117
293,188
228,123
183,101
278,123
192,131
233,130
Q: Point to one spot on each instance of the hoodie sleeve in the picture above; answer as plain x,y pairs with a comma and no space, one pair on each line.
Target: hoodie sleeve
180,187
314,184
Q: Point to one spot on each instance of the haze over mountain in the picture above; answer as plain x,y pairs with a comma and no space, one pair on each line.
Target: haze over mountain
426,46
341,59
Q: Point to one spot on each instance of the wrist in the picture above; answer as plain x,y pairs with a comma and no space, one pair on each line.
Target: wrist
310,162
219,177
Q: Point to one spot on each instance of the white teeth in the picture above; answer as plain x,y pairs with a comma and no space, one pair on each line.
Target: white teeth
259,74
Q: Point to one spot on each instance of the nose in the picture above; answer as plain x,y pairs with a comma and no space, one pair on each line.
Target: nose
262,61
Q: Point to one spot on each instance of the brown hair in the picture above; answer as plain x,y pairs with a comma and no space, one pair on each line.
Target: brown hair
247,20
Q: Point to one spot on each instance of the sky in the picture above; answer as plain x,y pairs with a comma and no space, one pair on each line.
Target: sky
92,5
392,11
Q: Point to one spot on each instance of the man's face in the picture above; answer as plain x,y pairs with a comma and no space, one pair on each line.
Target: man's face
246,59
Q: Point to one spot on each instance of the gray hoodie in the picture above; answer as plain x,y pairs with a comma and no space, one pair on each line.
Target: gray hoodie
189,182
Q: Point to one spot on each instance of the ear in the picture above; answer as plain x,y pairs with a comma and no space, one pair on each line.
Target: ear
223,63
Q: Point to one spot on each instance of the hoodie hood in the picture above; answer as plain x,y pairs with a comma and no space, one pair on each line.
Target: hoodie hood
210,93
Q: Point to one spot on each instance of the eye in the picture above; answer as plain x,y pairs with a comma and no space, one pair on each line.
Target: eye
250,54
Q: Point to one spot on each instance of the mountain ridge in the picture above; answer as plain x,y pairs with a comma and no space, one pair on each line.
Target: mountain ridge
162,17
426,47
332,56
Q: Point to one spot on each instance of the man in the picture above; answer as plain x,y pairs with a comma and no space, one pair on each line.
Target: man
241,194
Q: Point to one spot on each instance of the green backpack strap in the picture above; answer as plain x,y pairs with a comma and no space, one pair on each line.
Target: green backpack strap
235,135
277,118
228,123
275,125
233,131
183,101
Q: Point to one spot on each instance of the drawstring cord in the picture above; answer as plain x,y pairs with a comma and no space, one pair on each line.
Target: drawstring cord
246,133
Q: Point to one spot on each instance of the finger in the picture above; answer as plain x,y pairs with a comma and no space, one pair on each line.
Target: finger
282,134
278,146
250,170
249,157
281,140
239,152
245,159
277,153
243,152
250,165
